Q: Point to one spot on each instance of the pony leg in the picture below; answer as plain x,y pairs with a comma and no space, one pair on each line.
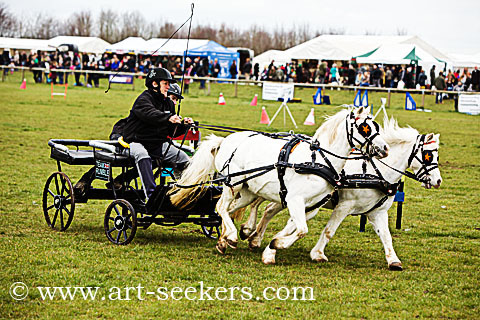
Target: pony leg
342,210
296,206
379,221
255,239
247,228
229,203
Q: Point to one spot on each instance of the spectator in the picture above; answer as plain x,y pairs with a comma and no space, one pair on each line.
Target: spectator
247,69
476,79
322,71
256,71
409,79
432,76
422,79
439,84
376,76
233,70
388,78
334,76
215,68
351,75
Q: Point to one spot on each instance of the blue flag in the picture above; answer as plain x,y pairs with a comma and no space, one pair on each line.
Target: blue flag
410,104
317,98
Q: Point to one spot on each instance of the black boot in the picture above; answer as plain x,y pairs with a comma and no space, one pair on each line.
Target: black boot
144,167
82,186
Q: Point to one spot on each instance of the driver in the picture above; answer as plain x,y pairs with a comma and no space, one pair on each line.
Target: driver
151,121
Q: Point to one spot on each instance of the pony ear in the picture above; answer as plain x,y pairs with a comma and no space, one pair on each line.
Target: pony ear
429,137
359,110
437,137
367,110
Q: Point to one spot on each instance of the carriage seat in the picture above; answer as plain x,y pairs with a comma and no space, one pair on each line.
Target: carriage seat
116,159
73,157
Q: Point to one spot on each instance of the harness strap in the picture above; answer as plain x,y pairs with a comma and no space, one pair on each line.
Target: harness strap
282,165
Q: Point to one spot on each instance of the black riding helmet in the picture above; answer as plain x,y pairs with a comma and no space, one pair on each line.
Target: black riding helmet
175,90
158,74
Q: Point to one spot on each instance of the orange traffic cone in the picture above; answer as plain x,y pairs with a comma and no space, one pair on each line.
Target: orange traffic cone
310,121
264,118
254,101
221,99
24,84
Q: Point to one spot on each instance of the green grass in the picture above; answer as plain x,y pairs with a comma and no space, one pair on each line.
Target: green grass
440,251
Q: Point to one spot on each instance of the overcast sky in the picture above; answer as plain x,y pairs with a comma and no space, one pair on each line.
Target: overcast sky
453,26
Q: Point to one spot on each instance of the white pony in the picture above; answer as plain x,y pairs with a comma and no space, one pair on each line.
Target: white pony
249,150
408,149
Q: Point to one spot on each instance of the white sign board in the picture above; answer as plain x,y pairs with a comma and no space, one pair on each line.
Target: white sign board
276,90
469,103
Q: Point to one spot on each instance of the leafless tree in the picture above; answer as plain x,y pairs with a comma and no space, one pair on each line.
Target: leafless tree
107,26
7,21
133,25
402,32
80,24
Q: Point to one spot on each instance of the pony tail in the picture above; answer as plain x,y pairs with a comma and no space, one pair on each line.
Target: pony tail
201,167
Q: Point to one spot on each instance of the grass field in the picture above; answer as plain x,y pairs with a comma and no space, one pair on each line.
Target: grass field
439,243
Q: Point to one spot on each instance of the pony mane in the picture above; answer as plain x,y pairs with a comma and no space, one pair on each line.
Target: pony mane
330,126
394,134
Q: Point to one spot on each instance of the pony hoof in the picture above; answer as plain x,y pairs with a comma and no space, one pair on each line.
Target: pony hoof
268,261
221,248
232,244
395,266
253,246
244,234
319,257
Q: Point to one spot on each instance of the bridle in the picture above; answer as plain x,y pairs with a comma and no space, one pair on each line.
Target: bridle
426,161
365,130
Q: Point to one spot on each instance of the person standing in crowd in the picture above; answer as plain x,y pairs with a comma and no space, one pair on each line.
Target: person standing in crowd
215,68
351,75
376,76
256,71
233,70
422,79
388,78
409,79
475,79
334,76
439,84
322,71
247,69
432,76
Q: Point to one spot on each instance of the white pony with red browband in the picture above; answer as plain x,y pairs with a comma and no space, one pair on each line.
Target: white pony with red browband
406,151
248,150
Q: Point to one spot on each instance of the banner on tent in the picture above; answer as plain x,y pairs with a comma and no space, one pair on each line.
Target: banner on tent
410,104
469,103
275,90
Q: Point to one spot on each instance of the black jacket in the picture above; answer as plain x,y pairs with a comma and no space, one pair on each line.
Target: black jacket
148,120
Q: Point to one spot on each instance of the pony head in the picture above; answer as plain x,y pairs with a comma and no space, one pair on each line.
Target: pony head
424,160
364,134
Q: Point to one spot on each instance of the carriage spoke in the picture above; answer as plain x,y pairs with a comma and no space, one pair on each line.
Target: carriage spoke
111,230
48,208
54,218
56,185
51,193
111,219
116,210
62,180
125,235
118,236
66,210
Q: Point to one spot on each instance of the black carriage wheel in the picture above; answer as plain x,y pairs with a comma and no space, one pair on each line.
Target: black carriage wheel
58,201
212,232
120,222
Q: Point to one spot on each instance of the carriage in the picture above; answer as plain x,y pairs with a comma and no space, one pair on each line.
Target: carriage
128,209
